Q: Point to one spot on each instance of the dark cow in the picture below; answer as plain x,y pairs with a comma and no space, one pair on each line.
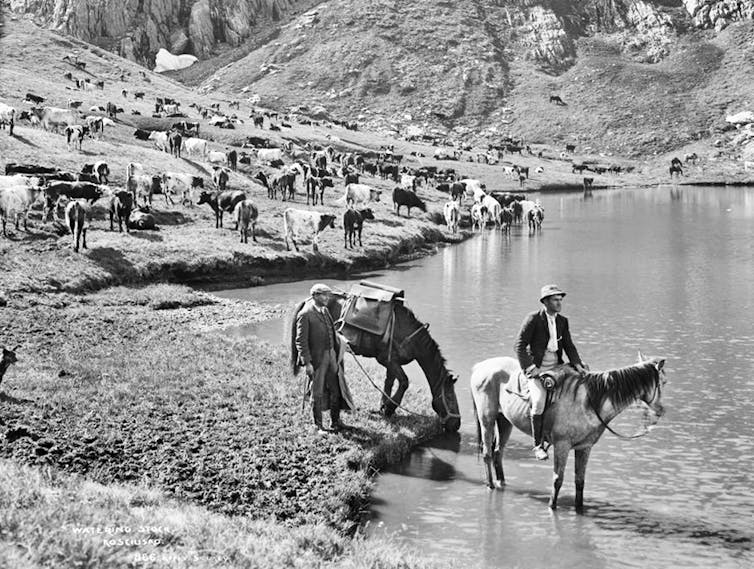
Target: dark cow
142,134
351,179
74,190
113,110
32,169
233,160
407,198
99,169
588,182
353,221
556,99
174,142
220,178
121,204
258,120
314,185
35,99
139,95
457,190
220,202
570,148
443,187
100,85
257,142
579,168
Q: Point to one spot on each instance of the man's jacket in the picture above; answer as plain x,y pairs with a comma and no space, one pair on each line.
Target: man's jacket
532,339
314,334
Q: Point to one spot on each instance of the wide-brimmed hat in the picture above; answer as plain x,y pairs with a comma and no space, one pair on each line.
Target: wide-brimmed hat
550,290
319,288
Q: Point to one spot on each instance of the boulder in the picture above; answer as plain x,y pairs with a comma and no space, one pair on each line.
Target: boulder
744,117
166,61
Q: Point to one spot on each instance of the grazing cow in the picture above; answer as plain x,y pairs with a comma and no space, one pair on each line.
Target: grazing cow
246,214
269,154
53,117
7,116
579,168
17,200
195,146
691,158
676,162
407,198
588,182
535,217
478,216
139,95
142,134
75,134
121,204
493,208
174,142
74,104
353,222
174,182
452,212
220,202
34,99
556,99
215,157
360,195
220,178
297,221
142,218
233,160
76,215
570,148
160,140
316,184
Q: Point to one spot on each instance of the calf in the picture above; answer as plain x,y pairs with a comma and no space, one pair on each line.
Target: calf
353,221
296,221
407,198
120,205
76,214
220,202
142,218
246,214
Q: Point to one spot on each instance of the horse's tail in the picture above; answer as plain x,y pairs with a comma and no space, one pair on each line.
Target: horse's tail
295,365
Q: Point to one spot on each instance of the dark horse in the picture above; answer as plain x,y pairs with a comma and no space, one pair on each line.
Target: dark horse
581,408
410,341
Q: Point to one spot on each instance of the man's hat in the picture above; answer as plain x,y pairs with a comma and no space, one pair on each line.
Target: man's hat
550,290
319,288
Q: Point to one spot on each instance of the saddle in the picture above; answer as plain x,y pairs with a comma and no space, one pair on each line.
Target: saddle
369,310
519,384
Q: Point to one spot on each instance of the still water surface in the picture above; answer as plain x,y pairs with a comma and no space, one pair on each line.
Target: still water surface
670,273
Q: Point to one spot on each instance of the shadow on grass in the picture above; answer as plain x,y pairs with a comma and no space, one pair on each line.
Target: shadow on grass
111,260
146,235
25,140
391,222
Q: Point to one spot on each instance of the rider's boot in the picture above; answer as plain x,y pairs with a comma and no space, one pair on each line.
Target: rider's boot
536,428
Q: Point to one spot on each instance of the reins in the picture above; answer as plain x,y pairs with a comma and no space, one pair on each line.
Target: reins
626,437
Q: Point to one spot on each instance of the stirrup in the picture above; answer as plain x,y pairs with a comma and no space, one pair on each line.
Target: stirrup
540,453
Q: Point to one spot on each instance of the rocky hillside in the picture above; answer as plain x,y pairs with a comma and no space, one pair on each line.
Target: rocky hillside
637,76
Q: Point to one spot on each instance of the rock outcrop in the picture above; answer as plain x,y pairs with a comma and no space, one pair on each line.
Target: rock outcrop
137,29
719,14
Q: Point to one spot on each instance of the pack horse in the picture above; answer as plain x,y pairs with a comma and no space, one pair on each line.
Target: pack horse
376,324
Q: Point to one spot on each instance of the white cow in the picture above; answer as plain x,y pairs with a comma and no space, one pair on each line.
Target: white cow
20,180
216,157
160,140
494,209
478,216
269,154
54,117
298,221
452,211
527,205
174,183
140,185
359,195
17,201
193,146
408,182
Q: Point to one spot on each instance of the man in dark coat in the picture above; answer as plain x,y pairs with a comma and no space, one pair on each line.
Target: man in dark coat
540,344
318,347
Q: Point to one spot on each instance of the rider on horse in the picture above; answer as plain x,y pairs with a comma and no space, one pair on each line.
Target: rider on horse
539,346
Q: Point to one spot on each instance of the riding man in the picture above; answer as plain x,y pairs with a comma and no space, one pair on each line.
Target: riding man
539,346
320,351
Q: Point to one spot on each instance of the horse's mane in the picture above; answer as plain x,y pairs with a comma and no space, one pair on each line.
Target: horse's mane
622,385
427,342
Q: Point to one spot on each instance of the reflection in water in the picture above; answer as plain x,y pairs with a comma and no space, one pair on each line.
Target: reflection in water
668,273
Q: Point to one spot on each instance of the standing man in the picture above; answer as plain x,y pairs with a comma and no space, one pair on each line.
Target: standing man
318,347
539,346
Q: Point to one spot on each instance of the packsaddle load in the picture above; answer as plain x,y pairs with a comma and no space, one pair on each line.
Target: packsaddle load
369,310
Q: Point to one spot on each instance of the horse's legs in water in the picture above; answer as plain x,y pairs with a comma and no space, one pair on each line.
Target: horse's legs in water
504,429
490,446
558,469
394,371
582,457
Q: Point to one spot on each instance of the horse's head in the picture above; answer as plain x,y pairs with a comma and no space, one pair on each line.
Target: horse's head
652,396
445,404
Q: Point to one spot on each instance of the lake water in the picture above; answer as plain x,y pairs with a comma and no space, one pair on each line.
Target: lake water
669,271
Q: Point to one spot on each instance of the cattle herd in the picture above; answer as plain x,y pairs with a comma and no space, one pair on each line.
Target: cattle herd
277,168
